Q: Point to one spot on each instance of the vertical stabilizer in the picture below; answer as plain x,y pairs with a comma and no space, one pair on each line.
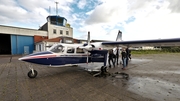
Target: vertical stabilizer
119,36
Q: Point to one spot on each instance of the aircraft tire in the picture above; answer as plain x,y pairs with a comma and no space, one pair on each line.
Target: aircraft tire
104,69
30,74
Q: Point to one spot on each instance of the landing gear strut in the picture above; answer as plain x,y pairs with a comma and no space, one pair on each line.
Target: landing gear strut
103,69
32,73
102,73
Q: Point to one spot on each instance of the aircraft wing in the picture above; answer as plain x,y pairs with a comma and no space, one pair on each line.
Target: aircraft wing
138,43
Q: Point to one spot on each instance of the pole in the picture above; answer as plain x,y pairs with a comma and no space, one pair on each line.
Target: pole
56,8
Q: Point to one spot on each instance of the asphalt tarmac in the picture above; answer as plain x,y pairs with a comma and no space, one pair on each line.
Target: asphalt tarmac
152,77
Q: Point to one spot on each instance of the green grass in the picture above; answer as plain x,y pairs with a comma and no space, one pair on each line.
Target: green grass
151,52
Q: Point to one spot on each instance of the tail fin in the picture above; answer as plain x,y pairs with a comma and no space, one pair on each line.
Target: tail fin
119,36
88,38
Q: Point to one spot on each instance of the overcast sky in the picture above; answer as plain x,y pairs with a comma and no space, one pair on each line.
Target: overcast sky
137,19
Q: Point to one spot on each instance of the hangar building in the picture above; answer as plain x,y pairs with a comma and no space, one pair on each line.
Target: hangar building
16,40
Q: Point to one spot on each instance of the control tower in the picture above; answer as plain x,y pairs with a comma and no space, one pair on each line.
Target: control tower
57,20
57,26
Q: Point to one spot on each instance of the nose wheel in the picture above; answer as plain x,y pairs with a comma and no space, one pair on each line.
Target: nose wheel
32,73
104,69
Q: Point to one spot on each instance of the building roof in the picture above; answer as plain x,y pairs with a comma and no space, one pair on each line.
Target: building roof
53,39
38,38
63,37
57,39
100,41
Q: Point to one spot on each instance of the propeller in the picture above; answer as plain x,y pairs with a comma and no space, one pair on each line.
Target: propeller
87,47
87,60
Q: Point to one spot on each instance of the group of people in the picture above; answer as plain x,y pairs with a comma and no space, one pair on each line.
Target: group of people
115,54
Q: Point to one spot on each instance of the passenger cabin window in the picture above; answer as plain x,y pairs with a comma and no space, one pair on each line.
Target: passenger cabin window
70,50
79,50
57,49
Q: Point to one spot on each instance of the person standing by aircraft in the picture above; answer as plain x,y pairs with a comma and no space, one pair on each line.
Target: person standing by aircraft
117,53
130,54
127,57
124,58
111,55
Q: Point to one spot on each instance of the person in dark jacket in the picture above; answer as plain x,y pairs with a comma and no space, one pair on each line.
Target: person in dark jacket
124,58
127,57
117,53
130,54
111,55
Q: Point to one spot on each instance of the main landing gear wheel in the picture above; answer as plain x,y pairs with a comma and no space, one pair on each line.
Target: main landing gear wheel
32,73
103,73
104,69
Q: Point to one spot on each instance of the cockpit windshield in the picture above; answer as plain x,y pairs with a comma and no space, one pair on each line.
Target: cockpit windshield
57,49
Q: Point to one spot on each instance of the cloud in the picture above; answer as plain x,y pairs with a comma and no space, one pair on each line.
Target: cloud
137,19
152,19
81,4
174,6
31,11
153,27
108,12
154,23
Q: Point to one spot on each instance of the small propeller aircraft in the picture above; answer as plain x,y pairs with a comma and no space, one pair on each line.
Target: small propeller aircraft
65,54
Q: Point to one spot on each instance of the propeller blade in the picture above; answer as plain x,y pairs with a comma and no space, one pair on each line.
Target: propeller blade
88,46
87,60
88,39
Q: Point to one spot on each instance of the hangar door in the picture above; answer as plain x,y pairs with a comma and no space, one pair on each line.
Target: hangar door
22,44
5,44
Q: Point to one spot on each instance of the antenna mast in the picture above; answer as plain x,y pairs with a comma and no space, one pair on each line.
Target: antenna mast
49,10
56,8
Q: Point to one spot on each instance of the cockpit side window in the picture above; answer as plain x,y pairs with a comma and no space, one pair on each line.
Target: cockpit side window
70,50
57,49
79,50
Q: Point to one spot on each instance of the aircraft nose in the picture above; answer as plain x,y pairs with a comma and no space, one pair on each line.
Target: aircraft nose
35,55
24,57
20,59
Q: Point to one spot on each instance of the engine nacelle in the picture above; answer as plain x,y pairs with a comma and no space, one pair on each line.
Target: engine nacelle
88,48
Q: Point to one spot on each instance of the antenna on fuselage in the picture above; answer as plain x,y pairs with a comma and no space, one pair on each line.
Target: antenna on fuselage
56,8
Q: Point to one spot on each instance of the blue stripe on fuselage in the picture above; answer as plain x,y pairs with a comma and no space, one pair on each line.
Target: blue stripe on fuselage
63,60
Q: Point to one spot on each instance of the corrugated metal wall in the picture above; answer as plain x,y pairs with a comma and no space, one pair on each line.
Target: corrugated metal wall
22,44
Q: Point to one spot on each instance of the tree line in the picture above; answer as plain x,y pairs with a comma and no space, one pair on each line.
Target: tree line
171,49
174,49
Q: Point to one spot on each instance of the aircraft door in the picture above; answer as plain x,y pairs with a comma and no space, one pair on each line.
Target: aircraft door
71,57
82,55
